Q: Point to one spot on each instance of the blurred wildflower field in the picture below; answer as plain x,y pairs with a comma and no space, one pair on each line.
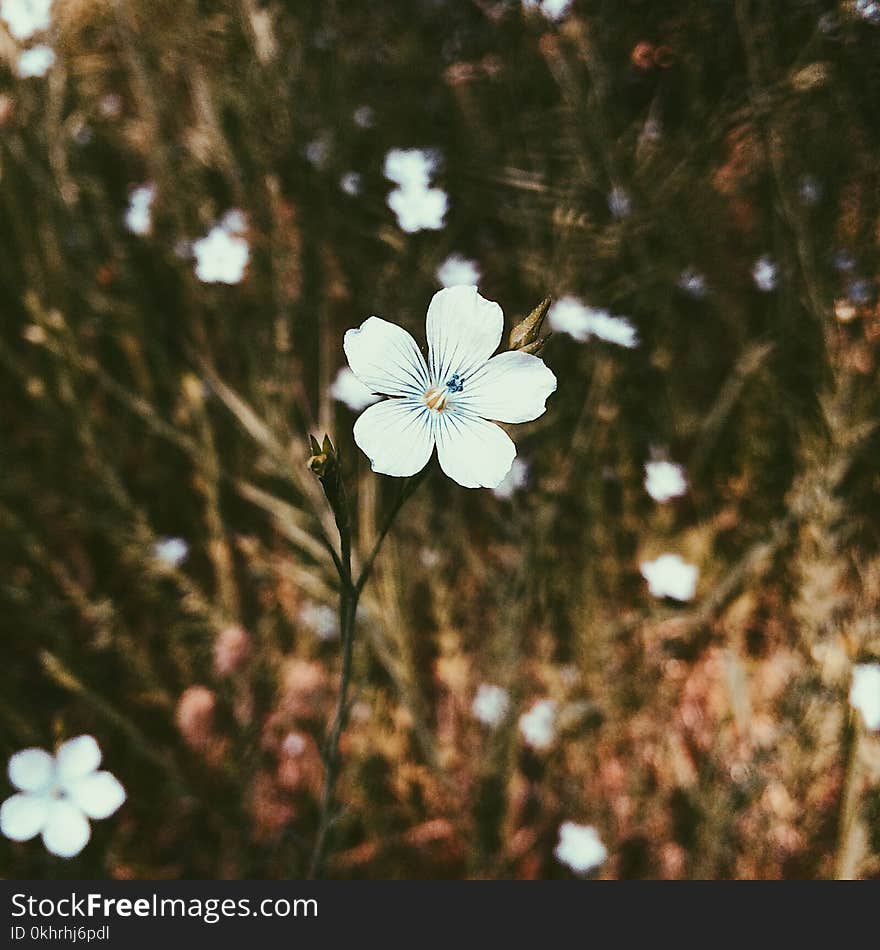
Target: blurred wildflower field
651,652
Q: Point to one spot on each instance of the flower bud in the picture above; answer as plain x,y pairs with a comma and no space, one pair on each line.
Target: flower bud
524,336
323,459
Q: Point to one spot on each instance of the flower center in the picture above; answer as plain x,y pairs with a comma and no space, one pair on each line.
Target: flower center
437,397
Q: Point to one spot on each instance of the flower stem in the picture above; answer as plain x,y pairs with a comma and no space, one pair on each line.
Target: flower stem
849,846
349,594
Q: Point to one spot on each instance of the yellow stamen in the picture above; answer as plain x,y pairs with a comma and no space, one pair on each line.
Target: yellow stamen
436,398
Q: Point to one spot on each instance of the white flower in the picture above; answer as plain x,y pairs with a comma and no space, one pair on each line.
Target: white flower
458,270
665,480
58,794
318,151
171,551
552,9
764,274
580,847
693,283
410,167
613,329
36,61
618,203
538,725
417,206
811,190
350,183
26,17
868,10
363,117
138,217
490,704
865,693
515,480
448,401
321,619
671,576
572,316
348,389
222,255
418,209
294,744
234,221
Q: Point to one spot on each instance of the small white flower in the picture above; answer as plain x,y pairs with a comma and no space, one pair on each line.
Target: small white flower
618,203
457,270
419,209
811,190
431,558
58,794
580,847
318,151
26,17
410,167
868,10
138,217
671,576
764,274
490,704
36,61
350,183
552,9
613,329
111,105
348,389
515,480
572,316
865,693
234,221
171,551
321,619
693,283
448,401
363,117
665,480
222,255
538,725
417,206
294,744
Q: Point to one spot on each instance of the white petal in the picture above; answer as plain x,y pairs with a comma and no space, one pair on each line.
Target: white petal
77,757
511,387
396,435
31,770
464,330
472,452
865,693
386,359
98,794
66,832
23,816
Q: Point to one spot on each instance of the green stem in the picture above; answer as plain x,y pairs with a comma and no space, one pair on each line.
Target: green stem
349,595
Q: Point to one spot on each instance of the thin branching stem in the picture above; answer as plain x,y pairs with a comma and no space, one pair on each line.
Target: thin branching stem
349,594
